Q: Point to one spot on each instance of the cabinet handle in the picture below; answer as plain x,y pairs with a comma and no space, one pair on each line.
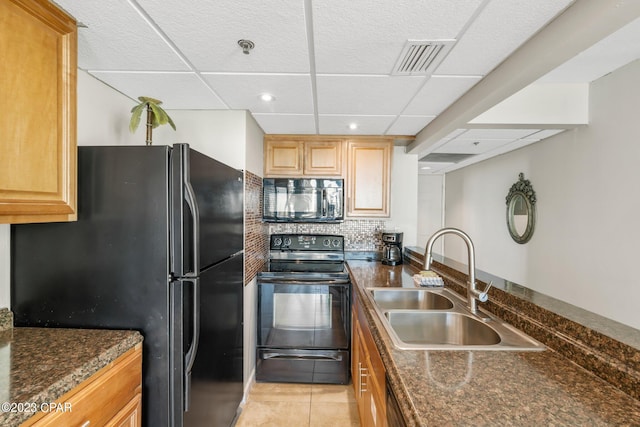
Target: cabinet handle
86,424
364,373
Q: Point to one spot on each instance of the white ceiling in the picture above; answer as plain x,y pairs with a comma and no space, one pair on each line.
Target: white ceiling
328,63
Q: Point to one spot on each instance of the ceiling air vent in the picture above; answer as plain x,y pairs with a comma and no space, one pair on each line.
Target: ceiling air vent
421,57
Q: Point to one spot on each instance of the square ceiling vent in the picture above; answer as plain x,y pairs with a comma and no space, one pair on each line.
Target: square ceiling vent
421,57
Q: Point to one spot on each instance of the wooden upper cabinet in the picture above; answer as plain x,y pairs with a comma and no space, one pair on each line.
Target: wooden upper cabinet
323,158
38,75
302,156
369,177
283,158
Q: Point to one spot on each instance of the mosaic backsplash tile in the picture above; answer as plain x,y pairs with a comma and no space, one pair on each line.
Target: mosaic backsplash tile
256,246
360,235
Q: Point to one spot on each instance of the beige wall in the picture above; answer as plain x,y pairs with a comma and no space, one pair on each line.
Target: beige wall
584,249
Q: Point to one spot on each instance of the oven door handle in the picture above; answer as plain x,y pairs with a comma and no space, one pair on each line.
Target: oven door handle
286,356
304,282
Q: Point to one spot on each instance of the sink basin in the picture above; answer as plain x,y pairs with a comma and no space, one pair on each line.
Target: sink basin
443,328
438,319
413,299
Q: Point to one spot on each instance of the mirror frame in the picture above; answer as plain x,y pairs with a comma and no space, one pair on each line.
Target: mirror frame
524,189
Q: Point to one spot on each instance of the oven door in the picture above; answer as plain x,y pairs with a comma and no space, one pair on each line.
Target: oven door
303,315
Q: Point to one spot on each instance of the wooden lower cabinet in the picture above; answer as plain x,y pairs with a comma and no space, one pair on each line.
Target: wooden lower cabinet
130,415
368,373
111,397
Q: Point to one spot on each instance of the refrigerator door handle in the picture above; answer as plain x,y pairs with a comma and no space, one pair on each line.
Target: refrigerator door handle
190,198
190,356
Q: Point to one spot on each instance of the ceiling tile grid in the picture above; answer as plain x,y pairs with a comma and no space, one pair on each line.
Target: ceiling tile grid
178,91
328,63
367,36
501,27
207,33
438,93
294,123
409,125
118,38
367,125
293,92
365,95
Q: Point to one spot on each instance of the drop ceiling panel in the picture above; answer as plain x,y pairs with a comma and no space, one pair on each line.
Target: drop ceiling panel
207,33
409,125
294,123
367,125
426,168
367,36
117,38
501,27
178,91
545,133
470,146
364,95
438,93
486,134
241,91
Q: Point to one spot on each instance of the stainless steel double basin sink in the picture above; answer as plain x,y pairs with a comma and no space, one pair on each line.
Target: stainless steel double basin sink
438,319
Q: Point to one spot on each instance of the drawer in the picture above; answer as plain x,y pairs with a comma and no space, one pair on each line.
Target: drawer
101,397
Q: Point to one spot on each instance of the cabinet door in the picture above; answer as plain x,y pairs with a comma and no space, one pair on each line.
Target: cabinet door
283,158
368,373
38,104
368,178
130,415
323,158
107,396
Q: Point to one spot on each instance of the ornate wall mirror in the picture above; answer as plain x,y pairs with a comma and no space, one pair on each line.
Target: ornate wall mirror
521,210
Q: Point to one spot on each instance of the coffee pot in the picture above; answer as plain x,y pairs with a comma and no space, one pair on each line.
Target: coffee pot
392,248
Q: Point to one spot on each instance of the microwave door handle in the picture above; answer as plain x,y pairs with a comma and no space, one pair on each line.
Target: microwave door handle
324,203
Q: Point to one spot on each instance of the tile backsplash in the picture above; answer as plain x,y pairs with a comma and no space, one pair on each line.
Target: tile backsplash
359,235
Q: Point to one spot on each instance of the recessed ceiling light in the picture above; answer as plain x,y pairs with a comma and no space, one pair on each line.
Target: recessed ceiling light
425,168
267,97
353,126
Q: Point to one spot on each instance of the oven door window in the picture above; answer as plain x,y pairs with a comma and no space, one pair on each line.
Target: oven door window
303,315
301,312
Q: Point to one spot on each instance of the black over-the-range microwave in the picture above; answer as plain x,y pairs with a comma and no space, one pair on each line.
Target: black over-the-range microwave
303,199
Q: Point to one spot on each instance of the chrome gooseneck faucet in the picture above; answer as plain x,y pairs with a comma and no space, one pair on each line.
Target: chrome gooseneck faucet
473,295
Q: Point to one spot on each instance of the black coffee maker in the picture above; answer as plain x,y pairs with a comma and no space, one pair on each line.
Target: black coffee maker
392,249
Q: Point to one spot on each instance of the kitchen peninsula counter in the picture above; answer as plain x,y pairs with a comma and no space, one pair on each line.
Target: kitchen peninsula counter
487,387
39,365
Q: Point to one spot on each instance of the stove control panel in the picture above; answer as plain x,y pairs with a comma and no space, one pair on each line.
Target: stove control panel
306,242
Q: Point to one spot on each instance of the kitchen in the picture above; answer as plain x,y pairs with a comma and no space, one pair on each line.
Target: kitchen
596,180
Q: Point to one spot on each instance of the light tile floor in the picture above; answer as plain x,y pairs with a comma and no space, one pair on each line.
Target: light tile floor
311,405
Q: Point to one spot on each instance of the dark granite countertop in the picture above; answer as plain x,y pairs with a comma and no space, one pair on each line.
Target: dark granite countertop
488,388
39,365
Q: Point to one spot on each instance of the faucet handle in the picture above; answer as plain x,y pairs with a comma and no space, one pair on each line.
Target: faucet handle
484,295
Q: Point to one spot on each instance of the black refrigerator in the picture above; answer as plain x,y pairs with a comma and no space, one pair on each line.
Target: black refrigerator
158,247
